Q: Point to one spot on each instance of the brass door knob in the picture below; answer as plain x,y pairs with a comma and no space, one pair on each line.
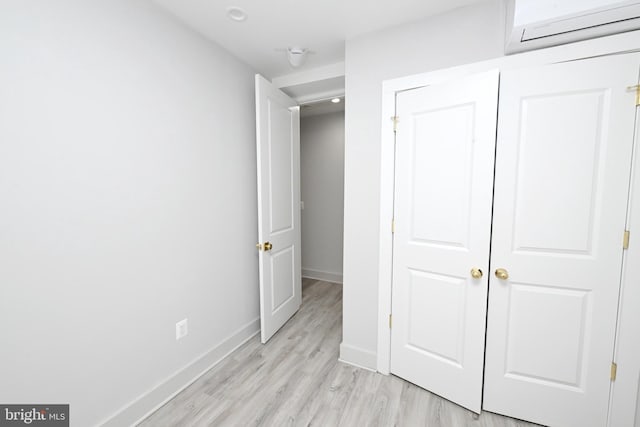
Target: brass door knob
502,274
267,246
476,273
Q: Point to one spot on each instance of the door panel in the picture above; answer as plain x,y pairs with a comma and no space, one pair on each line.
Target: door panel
435,299
281,164
445,146
562,364
562,175
278,152
283,277
559,130
440,213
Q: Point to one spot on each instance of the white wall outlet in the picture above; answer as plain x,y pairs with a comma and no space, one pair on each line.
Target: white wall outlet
301,205
182,328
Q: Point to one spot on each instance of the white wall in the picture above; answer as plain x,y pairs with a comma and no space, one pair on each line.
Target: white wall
127,203
462,36
322,191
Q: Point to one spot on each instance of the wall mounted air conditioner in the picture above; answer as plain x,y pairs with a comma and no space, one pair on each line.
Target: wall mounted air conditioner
533,24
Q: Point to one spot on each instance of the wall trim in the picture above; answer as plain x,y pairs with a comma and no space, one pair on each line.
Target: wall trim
149,402
326,276
358,357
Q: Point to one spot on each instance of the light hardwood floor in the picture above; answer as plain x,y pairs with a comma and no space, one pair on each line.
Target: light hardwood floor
297,380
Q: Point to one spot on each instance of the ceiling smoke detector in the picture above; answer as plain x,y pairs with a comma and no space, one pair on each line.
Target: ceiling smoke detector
297,56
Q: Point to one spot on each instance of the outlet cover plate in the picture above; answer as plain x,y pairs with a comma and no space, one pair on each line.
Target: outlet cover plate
182,328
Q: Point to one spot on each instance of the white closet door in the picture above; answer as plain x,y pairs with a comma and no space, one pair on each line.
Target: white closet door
445,147
562,175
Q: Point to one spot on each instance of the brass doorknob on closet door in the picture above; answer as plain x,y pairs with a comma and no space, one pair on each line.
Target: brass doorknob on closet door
502,274
266,247
476,273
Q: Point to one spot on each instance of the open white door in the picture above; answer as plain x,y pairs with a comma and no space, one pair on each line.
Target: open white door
562,177
278,151
445,145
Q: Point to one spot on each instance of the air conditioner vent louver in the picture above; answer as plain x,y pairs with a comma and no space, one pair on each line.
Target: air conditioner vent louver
525,33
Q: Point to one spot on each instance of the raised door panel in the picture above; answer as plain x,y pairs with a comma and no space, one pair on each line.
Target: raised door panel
564,132
436,299
283,277
281,168
440,215
566,324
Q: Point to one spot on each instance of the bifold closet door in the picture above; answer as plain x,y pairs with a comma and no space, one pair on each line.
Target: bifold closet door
445,145
563,161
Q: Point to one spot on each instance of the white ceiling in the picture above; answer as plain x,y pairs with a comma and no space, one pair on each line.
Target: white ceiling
320,25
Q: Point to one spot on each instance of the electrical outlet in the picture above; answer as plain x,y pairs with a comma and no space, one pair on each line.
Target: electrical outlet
182,329
301,205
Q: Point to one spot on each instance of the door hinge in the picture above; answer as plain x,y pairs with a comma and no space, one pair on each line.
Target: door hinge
390,320
637,89
625,239
614,371
395,120
393,226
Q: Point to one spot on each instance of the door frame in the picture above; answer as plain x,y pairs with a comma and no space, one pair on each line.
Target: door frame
622,404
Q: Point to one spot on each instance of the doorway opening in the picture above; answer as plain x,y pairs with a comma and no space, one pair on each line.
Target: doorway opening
281,171
322,189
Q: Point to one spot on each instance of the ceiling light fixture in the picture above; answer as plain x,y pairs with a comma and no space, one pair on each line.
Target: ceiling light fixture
336,100
297,56
236,14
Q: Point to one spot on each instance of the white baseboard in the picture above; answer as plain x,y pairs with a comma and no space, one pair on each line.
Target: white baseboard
322,275
149,402
358,357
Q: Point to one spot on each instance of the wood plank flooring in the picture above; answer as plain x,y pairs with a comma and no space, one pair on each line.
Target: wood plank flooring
297,380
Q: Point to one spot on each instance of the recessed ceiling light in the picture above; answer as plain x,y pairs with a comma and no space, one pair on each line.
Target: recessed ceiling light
336,100
236,14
